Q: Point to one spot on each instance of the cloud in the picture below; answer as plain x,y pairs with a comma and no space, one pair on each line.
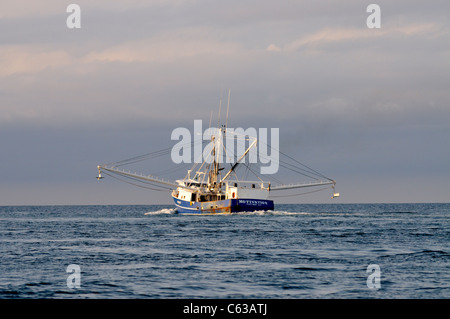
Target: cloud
20,59
326,36
54,84
162,48
165,48
321,71
273,48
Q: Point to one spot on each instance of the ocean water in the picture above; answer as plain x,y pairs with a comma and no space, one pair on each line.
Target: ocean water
298,251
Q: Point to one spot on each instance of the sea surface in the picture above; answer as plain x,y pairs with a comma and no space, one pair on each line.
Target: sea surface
313,251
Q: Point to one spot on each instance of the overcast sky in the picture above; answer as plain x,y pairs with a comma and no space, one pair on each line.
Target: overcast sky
369,108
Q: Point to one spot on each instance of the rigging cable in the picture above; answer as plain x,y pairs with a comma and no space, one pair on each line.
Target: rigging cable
138,180
134,184
294,168
292,195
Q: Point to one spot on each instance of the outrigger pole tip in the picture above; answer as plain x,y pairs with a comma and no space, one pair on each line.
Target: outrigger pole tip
99,177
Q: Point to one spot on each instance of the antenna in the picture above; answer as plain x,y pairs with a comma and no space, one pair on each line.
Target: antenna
220,107
210,118
228,107
218,139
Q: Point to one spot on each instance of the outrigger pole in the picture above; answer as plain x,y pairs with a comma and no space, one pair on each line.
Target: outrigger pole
237,162
148,178
292,186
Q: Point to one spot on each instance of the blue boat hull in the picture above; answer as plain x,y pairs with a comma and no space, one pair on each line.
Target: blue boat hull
226,206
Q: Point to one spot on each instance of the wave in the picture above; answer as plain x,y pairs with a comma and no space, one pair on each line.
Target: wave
173,211
435,254
271,213
164,211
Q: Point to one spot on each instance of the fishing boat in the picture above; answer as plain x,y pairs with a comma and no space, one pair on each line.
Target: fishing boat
207,189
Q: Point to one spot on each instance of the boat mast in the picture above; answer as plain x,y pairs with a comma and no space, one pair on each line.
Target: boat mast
213,170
